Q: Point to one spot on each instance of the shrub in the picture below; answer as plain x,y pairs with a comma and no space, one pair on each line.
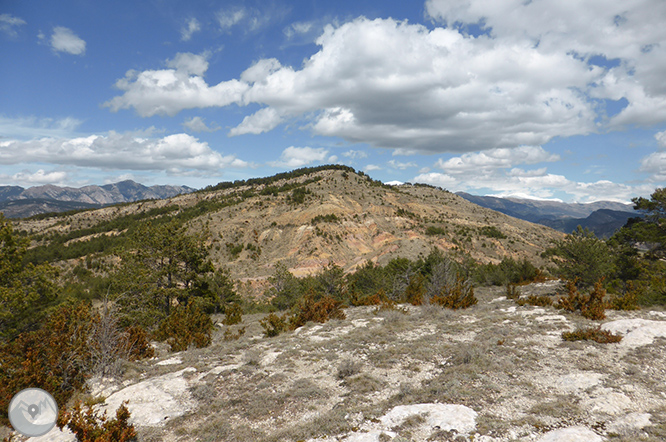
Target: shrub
185,326
56,358
512,291
592,334
492,232
308,309
461,295
233,314
591,306
628,300
415,291
435,231
573,299
138,344
274,325
594,306
348,368
539,301
90,426
231,336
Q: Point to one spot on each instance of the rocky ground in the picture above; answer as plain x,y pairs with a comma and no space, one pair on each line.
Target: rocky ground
495,372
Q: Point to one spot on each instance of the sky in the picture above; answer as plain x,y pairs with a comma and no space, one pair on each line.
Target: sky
546,99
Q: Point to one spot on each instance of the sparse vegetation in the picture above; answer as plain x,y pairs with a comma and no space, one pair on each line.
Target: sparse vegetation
595,334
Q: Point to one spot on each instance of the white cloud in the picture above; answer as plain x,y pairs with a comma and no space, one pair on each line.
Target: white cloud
529,79
436,179
39,177
655,165
300,156
65,40
177,153
189,64
190,28
499,158
402,166
298,28
355,154
227,18
371,167
9,24
168,91
197,124
661,139
25,128
263,120
629,31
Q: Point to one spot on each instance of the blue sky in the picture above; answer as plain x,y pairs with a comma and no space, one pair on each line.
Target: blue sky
544,99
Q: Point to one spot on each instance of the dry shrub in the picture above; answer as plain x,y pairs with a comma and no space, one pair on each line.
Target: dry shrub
461,295
185,326
348,368
512,291
628,300
90,426
231,336
233,314
138,344
573,300
592,334
591,306
321,311
594,306
274,325
415,291
539,301
56,358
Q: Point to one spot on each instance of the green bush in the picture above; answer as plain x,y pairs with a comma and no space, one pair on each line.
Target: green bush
233,314
492,232
274,325
186,326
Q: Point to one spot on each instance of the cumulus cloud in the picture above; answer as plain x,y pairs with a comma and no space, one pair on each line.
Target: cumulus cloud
436,179
371,167
263,120
39,177
530,77
300,156
168,91
190,28
655,165
177,153
197,124
9,24
65,40
499,158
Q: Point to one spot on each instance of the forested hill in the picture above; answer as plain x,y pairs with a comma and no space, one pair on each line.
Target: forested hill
307,219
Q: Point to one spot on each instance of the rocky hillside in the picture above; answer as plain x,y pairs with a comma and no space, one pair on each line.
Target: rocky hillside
495,372
329,215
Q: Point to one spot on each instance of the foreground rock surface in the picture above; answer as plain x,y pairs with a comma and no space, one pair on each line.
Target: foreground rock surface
496,372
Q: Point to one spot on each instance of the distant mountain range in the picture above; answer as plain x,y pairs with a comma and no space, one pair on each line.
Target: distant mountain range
601,217
17,202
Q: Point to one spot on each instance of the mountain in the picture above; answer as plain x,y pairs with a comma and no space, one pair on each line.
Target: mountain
311,218
17,202
564,217
603,222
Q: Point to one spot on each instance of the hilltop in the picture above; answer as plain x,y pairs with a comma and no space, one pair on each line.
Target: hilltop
309,219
